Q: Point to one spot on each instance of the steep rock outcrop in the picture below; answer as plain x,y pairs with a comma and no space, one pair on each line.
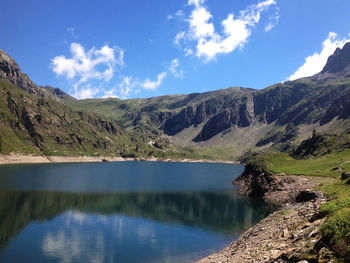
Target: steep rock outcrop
11,71
339,108
255,181
339,61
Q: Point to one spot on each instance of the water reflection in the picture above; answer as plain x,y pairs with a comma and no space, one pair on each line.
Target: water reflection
226,213
120,212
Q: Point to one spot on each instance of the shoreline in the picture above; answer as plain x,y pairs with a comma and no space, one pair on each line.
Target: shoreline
287,235
37,159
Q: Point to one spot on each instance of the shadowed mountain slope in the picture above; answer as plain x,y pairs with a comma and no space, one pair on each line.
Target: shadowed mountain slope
48,121
37,120
312,101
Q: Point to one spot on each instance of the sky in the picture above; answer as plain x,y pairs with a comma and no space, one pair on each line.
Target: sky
137,49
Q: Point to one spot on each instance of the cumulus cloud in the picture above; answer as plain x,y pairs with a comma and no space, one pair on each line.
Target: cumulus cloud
85,66
315,63
208,42
174,68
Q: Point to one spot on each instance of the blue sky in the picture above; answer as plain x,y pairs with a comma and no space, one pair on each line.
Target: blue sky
141,48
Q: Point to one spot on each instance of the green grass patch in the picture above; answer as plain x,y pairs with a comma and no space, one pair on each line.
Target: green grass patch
321,166
336,232
336,229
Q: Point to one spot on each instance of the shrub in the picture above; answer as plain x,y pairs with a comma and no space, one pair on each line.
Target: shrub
334,205
336,232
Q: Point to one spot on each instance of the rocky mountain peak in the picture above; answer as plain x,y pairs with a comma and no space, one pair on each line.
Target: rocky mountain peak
339,61
10,70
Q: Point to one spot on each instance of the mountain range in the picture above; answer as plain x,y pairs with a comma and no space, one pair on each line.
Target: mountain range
221,123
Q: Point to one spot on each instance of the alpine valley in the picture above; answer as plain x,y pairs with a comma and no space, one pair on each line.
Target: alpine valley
293,137
221,124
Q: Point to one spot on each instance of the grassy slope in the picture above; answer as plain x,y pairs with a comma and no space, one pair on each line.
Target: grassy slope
30,124
321,166
336,229
305,113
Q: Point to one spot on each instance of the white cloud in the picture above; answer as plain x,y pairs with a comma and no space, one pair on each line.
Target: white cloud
123,89
131,86
315,63
179,13
188,51
152,85
111,93
86,66
208,42
126,87
196,3
84,91
71,30
173,69
273,20
179,36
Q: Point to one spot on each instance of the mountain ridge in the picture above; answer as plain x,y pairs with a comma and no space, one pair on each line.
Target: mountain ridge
310,101
236,118
10,70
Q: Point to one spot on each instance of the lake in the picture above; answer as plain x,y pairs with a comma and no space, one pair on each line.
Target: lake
121,212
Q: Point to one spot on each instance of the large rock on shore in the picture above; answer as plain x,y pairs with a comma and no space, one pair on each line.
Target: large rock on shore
257,181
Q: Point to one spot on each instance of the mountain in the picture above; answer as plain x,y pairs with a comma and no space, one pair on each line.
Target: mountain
241,118
219,124
339,61
37,120
10,70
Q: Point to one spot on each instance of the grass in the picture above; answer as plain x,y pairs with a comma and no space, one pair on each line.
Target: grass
336,228
322,166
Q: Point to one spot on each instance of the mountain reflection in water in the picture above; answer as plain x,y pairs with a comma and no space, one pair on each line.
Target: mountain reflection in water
121,212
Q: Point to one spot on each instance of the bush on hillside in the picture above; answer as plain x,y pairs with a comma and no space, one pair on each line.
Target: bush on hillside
336,233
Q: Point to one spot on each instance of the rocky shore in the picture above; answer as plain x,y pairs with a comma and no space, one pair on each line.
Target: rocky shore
22,159
290,234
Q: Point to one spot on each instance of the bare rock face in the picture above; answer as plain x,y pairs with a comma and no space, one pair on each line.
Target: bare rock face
340,107
11,71
339,61
255,180
9,67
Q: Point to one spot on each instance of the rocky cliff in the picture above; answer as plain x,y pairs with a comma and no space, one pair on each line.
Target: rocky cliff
240,118
35,119
207,117
11,71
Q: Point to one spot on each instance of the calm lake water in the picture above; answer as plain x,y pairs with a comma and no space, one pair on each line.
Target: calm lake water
121,212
